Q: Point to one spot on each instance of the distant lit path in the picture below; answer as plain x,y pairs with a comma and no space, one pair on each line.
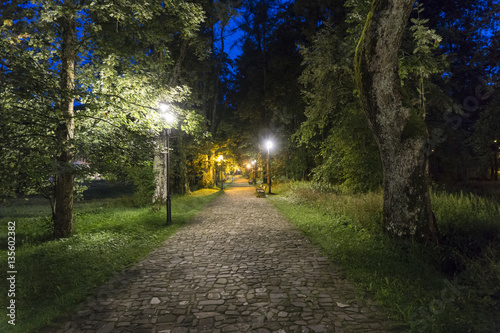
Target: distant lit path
239,266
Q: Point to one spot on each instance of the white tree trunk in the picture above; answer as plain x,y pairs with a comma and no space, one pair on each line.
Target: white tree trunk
159,168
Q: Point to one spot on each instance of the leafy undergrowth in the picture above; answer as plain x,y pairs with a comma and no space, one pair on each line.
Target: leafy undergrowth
53,276
454,287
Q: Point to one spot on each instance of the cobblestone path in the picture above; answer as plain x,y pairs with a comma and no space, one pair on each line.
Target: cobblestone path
239,266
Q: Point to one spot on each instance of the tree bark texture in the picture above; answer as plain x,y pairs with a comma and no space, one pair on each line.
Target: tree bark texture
63,218
218,69
160,159
159,169
400,133
495,162
179,181
178,65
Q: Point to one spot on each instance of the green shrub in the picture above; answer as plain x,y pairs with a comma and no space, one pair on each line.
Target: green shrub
206,180
144,183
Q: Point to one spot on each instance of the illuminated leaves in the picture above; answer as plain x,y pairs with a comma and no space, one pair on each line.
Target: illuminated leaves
123,66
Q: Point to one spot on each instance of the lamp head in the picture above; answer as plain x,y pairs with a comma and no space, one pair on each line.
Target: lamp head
168,117
164,107
269,144
165,113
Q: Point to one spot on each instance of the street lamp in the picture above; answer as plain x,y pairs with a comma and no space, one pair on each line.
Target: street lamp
269,145
221,159
254,163
250,175
169,120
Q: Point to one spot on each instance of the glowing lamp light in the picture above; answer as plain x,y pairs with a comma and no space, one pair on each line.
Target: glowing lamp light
164,107
269,144
168,117
166,114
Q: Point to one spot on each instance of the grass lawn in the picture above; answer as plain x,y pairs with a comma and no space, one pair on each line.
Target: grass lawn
53,276
451,288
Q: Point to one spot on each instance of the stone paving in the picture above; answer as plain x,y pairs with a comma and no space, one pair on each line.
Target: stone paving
238,266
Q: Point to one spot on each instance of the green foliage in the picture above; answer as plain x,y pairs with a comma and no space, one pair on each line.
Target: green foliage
125,66
58,274
350,157
470,230
118,80
486,140
430,289
335,125
143,179
414,128
266,94
79,187
417,67
206,180
467,88
356,18
425,38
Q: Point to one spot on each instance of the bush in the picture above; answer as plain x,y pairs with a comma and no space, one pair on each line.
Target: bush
206,180
144,182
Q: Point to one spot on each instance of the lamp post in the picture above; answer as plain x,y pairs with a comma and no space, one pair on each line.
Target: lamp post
269,145
251,175
495,160
254,163
221,159
169,119
250,170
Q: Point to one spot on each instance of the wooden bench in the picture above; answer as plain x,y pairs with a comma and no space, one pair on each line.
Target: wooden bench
261,191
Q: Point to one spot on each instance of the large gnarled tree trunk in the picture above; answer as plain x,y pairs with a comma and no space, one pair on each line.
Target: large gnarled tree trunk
63,217
400,132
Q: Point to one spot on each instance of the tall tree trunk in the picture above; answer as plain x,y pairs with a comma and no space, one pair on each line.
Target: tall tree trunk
218,70
159,160
179,182
63,219
159,169
400,133
176,71
495,162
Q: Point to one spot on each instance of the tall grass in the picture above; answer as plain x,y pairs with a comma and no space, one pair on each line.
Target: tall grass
55,275
450,288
